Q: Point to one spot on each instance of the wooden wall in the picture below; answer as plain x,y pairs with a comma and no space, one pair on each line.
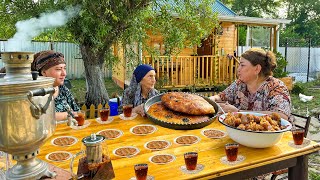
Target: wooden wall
228,40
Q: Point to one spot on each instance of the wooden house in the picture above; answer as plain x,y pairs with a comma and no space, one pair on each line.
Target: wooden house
213,64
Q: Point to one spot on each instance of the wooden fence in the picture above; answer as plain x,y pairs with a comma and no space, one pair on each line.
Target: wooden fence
193,71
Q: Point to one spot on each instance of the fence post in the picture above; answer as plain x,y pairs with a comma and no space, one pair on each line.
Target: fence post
309,47
286,53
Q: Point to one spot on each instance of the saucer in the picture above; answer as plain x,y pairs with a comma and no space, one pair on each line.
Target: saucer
133,115
240,158
86,124
199,168
110,119
305,143
148,178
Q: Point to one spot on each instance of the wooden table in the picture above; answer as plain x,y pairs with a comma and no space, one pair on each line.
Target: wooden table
257,162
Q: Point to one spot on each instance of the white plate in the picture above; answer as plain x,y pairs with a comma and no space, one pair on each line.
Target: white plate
134,178
198,139
121,133
110,119
173,158
169,144
70,155
75,140
133,115
86,124
202,132
137,151
154,129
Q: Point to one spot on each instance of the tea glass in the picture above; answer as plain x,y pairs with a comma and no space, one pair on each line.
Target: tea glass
298,136
231,150
127,110
191,159
141,171
80,117
104,114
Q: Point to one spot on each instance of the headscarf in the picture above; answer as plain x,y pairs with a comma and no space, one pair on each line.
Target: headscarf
46,59
141,71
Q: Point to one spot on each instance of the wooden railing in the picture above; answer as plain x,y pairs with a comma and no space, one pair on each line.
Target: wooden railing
193,71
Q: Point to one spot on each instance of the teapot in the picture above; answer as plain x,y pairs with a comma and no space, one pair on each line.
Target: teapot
94,160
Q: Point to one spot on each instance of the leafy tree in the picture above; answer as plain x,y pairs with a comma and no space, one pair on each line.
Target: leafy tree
101,23
254,8
305,20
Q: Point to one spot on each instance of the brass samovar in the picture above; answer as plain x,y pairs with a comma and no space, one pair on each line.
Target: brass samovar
27,116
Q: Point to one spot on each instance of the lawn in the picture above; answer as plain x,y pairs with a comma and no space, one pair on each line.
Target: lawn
79,88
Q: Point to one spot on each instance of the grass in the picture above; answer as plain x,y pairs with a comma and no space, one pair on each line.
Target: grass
79,88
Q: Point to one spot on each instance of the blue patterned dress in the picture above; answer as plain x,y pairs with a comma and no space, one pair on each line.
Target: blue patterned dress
64,97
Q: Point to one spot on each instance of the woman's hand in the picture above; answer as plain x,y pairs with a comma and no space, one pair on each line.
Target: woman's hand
139,110
228,107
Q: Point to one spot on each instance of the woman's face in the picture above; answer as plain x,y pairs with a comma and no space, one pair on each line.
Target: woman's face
149,80
58,72
247,72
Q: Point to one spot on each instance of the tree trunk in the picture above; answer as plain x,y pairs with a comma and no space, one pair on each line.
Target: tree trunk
96,90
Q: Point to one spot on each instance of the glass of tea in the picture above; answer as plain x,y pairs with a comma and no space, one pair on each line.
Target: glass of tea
80,117
127,110
104,114
298,136
232,151
141,171
191,159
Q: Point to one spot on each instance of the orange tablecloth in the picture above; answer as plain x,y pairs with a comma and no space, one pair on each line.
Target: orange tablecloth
210,150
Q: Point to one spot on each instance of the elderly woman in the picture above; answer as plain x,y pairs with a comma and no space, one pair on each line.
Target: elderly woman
52,64
141,88
256,89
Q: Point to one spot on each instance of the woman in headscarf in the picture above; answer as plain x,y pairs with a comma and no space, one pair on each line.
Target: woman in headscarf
51,64
141,88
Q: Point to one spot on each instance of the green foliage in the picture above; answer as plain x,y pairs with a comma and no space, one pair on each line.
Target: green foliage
298,88
305,21
279,71
313,175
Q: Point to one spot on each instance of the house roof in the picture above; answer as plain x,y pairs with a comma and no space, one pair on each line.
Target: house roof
222,9
253,20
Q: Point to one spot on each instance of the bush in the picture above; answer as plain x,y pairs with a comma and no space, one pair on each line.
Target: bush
279,72
298,88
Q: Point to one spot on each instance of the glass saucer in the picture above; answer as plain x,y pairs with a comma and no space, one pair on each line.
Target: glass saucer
86,124
240,158
305,143
110,119
133,115
148,178
199,168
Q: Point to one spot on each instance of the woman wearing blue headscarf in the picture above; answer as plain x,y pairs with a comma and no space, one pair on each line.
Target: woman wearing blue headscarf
141,88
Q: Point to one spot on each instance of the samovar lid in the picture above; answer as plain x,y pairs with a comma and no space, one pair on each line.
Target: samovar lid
93,140
18,78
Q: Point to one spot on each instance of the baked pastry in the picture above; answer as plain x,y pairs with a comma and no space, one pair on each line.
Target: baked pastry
162,158
126,151
212,133
157,144
143,129
59,156
187,103
110,133
64,141
161,112
187,140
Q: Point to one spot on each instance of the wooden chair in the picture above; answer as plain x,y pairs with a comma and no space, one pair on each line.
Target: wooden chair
303,123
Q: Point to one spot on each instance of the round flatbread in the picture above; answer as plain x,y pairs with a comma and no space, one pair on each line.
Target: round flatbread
187,103
162,158
187,140
59,156
64,141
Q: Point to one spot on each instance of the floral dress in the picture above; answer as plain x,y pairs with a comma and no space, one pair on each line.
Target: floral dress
272,95
65,97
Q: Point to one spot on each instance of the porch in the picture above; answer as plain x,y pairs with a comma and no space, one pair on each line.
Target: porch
183,72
